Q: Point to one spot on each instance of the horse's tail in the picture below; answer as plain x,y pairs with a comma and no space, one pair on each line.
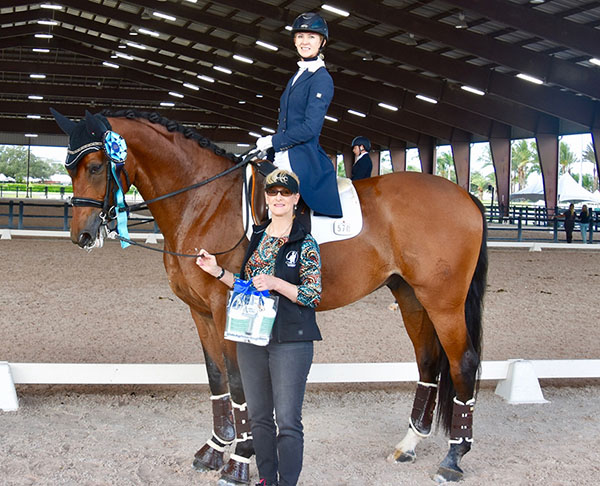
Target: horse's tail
473,317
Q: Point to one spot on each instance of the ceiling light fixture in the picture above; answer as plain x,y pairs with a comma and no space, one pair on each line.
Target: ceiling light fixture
427,99
222,69
337,11
266,45
161,15
35,97
191,86
31,135
43,36
34,117
536,2
135,45
167,103
247,60
124,56
110,64
531,79
254,134
462,24
47,22
41,49
208,79
51,6
331,118
470,89
357,113
152,33
267,129
37,76
388,107
175,94
595,61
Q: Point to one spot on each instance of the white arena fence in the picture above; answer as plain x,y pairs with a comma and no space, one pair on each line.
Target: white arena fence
518,379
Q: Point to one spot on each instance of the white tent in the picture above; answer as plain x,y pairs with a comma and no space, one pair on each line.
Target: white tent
60,178
569,191
4,178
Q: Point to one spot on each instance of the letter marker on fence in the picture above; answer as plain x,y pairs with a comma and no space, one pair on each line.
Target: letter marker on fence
8,394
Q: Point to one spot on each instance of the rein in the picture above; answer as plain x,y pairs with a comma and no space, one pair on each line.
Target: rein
109,214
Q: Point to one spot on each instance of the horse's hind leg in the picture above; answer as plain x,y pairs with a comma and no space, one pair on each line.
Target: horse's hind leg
458,377
427,351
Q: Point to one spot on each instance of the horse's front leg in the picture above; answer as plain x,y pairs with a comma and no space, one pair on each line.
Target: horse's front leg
237,470
210,456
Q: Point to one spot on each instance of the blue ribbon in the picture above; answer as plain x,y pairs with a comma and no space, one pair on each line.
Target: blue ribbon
245,287
120,204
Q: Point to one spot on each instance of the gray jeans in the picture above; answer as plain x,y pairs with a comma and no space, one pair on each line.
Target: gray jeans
274,379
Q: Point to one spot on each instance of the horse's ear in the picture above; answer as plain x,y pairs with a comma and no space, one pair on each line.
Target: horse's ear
63,122
94,124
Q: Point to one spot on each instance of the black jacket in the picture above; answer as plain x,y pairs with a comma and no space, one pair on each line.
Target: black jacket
362,168
294,322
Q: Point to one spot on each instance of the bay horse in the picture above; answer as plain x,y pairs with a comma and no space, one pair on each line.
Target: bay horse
423,237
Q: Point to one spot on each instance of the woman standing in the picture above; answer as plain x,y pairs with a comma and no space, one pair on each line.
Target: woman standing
570,216
302,109
584,222
284,259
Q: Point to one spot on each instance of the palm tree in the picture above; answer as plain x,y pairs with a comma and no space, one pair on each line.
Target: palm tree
445,166
589,156
566,158
523,156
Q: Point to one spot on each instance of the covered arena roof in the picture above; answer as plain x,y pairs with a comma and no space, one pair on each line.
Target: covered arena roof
403,69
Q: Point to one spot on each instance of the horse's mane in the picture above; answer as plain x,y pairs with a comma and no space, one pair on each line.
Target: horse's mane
172,126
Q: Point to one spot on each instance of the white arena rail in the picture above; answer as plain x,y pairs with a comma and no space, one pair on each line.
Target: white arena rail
517,379
7,234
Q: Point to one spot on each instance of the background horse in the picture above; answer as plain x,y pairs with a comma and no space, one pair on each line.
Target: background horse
423,237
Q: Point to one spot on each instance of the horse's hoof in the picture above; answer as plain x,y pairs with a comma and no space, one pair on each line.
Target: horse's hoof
402,456
207,459
235,473
447,475
229,482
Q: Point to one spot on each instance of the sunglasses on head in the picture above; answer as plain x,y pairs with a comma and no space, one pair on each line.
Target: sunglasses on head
284,191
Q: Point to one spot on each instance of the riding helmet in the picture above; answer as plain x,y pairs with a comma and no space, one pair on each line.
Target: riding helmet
360,140
310,22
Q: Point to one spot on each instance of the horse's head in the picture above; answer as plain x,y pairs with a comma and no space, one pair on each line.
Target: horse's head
91,145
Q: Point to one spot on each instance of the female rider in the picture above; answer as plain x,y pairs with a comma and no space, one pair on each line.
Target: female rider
302,109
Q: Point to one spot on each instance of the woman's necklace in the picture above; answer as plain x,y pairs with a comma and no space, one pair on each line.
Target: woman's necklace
277,234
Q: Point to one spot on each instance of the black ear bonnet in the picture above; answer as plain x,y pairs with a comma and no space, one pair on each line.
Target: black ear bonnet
85,136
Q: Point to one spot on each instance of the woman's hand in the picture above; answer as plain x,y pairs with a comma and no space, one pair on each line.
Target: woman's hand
208,263
265,282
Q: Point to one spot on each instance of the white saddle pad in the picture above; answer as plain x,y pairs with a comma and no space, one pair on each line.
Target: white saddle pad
326,229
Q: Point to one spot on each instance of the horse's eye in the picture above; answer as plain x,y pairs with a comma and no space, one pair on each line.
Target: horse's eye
95,168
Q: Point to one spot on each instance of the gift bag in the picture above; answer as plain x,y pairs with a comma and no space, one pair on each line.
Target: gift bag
250,314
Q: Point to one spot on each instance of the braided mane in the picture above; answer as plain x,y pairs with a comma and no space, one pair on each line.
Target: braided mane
172,126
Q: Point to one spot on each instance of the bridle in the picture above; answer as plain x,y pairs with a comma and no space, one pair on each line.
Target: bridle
110,212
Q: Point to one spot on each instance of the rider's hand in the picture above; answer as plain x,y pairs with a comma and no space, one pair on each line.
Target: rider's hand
264,143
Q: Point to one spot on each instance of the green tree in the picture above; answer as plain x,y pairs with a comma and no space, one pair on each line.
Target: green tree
480,183
445,166
566,158
13,163
588,155
523,157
